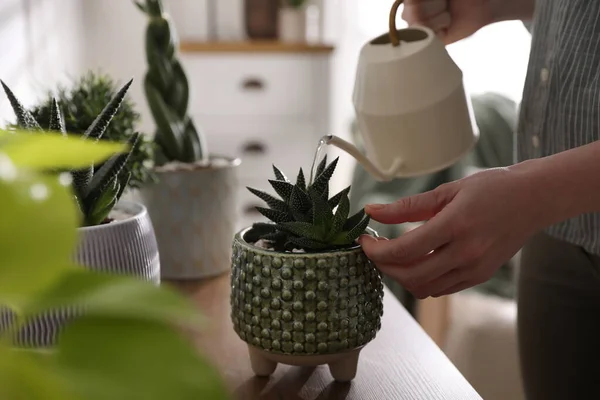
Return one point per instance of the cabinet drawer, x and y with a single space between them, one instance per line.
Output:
257 85
288 143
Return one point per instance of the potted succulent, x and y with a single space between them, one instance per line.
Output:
302 290
113 238
292 21
193 205
82 101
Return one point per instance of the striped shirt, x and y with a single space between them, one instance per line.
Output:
560 109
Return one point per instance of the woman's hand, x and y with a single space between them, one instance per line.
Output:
474 225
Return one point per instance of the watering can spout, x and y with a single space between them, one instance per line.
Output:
368 165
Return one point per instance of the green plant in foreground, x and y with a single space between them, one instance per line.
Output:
96 190
82 101
126 346
167 91
305 217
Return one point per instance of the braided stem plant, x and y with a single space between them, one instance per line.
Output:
167 91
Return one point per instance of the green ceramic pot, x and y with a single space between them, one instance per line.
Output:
304 309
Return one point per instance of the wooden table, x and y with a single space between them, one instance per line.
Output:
402 362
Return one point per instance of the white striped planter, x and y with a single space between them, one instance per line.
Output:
126 247
194 211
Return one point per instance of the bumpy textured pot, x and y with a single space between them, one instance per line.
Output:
304 309
194 212
126 246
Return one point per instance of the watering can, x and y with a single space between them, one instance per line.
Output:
412 110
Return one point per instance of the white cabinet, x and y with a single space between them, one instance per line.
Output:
266 106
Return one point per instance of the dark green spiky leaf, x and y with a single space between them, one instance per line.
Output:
283 189
301 181
303 229
271 201
322 165
274 215
299 204
280 176
259 229
275 236
307 244
57 122
124 178
322 214
354 220
98 127
81 180
24 117
110 170
340 217
335 200
358 229
321 183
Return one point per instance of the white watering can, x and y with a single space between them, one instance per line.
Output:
411 107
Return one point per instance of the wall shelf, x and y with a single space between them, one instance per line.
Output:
253 46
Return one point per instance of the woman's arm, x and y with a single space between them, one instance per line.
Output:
565 184
508 10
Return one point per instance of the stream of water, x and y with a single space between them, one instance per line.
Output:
316 159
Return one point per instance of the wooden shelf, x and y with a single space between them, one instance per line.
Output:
253 46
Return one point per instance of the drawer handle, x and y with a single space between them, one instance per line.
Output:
250 209
253 84
254 147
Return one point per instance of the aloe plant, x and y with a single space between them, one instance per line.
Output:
304 217
167 91
96 190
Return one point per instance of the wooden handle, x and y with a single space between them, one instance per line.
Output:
253 84
393 30
254 147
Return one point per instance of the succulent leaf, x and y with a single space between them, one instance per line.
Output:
303 229
283 189
274 215
57 122
358 229
322 165
24 118
321 183
304 243
271 201
335 200
322 214
98 127
299 203
341 214
280 176
354 220
301 181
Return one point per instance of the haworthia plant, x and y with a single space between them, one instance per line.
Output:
96 190
304 217
167 91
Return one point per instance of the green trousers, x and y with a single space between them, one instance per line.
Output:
558 321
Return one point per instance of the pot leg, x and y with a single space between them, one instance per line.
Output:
261 365
344 370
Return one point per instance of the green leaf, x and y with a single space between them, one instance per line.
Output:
301 181
335 200
299 204
322 213
321 183
141 6
302 229
340 217
274 215
283 189
280 176
354 220
321 166
106 295
31 375
52 150
271 201
98 127
359 229
129 359
38 210
24 117
57 124
170 130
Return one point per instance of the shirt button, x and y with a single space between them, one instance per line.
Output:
544 73
535 140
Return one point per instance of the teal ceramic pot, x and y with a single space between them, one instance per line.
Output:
305 308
